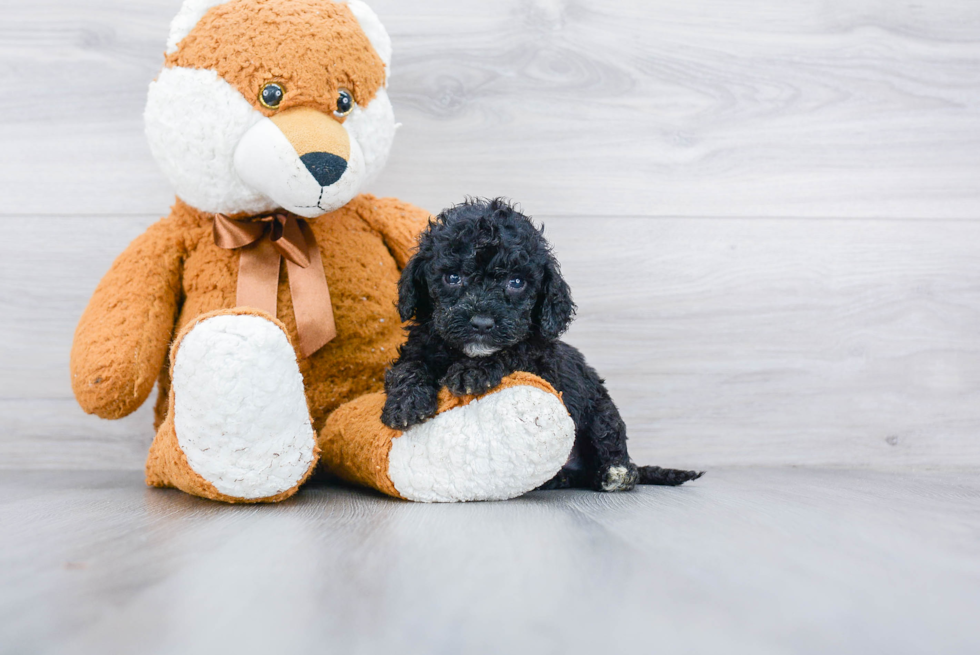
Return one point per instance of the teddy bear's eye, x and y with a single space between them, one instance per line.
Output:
453 280
345 103
271 95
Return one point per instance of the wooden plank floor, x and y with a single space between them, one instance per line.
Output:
755 561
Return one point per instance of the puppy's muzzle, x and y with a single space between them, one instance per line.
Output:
482 324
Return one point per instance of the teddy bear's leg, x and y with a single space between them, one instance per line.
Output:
238 428
491 447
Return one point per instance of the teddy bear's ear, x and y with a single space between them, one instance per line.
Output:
190 13
413 291
193 11
373 29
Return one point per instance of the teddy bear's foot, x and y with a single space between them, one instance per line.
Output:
239 419
493 447
497 447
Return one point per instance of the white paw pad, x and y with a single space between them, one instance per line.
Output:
495 448
616 478
240 408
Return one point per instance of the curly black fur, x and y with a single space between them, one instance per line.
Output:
485 297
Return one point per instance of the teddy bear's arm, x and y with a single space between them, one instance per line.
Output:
399 224
122 339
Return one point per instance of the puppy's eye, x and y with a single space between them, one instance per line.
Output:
516 284
271 95
453 280
345 103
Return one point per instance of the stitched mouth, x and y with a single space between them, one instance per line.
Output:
318 201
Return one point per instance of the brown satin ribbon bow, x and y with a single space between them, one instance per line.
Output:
262 241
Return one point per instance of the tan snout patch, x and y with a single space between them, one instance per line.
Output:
309 130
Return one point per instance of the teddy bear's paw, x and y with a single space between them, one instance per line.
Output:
494 448
240 411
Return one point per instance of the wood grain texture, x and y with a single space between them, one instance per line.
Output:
760 561
628 107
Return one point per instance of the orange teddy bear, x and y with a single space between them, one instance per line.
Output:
272 283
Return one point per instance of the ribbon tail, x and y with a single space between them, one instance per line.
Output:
311 298
258 277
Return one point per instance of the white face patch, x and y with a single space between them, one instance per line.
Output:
479 350
373 129
194 122
498 447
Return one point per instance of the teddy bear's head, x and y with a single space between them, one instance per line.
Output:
267 104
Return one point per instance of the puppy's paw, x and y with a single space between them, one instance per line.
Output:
618 477
403 410
472 377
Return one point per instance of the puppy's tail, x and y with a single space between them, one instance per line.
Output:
666 477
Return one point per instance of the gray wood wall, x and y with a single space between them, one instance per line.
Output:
769 212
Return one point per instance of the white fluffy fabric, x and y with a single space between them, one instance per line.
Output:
240 408
495 448
372 128
194 122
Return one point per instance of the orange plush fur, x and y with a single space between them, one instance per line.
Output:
173 275
312 48
175 264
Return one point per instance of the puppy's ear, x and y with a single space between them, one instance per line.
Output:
413 291
555 302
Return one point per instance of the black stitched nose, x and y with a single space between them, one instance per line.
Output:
326 168
482 323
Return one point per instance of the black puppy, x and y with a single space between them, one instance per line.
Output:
485 299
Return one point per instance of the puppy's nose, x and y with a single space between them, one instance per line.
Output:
482 323
325 167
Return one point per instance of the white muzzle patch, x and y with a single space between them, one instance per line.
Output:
478 350
268 163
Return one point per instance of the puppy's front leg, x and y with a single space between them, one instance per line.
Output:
411 395
607 434
474 375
